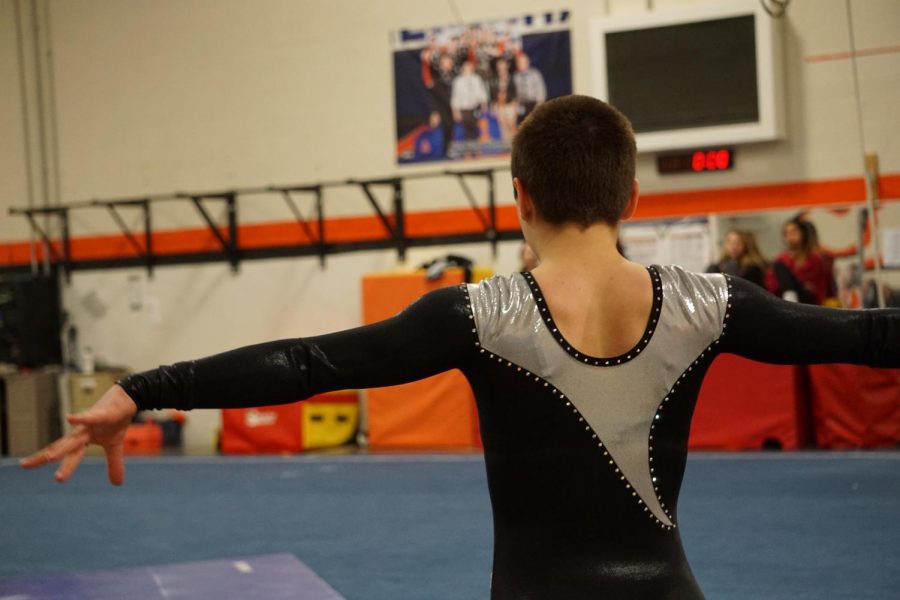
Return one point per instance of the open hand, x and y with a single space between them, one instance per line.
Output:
103 424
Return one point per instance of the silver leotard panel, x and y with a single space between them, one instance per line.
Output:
619 401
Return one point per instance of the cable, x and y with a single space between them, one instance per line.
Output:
859 115
23 90
870 200
455 10
775 8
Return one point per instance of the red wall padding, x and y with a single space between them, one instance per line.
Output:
743 404
855 406
264 430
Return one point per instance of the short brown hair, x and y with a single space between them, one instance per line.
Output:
575 155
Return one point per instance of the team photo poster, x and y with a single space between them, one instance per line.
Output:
462 90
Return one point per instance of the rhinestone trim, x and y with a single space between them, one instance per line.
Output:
557 394
468 299
706 354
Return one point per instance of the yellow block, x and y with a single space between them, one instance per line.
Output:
480 272
329 424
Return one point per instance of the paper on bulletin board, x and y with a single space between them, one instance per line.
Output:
683 244
891 247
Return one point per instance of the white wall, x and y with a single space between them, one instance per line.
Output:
165 95
13 178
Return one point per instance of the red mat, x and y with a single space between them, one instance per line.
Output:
855 406
746 405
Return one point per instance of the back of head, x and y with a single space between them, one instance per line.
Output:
575 156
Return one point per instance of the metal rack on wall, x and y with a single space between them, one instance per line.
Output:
58 253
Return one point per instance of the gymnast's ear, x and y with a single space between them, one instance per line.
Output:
524 203
631 206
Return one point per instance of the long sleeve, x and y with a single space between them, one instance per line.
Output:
763 327
754 274
432 335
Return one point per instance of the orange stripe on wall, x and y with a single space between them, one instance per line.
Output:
889 187
847 54
464 221
750 198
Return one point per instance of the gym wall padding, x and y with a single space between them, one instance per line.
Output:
263 430
855 407
744 405
437 412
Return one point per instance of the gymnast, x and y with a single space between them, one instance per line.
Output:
585 371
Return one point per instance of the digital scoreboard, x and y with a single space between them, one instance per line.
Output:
701 75
695 161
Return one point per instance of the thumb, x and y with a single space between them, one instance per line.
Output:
89 417
115 464
84 418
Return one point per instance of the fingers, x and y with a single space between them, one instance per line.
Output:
57 450
90 417
38 459
69 464
115 464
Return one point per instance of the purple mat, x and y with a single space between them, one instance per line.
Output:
267 577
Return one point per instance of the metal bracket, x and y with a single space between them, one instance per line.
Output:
317 238
145 251
62 213
313 240
229 244
489 223
397 229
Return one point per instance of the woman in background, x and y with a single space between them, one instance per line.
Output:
800 273
827 257
741 258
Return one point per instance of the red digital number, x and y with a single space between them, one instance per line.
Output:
718 159
723 159
698 161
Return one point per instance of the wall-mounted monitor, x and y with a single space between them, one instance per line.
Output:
705 75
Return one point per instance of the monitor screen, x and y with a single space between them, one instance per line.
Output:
686 75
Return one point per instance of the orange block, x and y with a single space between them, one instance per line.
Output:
143 438
438 412
434 412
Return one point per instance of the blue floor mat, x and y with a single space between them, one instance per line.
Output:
272 577
817 525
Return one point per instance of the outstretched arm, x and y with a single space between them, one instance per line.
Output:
432 335
768 329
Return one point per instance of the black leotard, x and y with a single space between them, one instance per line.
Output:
584 454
